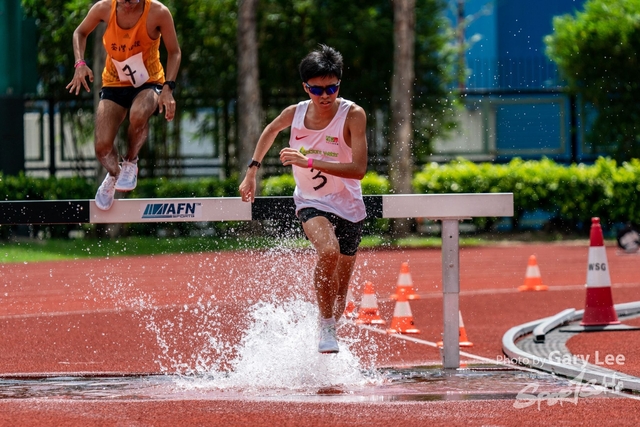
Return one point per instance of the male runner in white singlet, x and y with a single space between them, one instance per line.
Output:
328 153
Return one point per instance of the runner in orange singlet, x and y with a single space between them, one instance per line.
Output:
133 81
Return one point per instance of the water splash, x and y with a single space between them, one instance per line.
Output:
280 351
271 346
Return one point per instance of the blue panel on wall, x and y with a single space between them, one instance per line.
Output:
521 49
481 30
507 49
522 28
483 44
532 127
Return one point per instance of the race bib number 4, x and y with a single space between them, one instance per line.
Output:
132 70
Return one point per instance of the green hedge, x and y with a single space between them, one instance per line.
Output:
284 185
572 194
22 187
201 187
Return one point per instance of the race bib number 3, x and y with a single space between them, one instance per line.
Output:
315 184
132 70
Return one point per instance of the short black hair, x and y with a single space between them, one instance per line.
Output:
322 62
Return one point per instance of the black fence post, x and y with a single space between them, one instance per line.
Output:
11 134
52 137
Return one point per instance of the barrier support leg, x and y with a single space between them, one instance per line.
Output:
451 289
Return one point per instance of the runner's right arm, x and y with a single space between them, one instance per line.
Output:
269 134
99 12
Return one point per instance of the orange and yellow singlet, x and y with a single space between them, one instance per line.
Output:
133 58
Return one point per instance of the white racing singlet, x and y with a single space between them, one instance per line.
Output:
315 189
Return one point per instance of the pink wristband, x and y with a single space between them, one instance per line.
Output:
79 63
309 162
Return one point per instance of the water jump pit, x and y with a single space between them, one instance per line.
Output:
418 383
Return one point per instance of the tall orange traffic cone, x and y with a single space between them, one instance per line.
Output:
463 341
350 307
598 309
402 322
368 313
405 284
532 278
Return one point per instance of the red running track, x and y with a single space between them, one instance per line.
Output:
93 316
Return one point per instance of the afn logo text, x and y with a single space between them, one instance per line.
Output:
172 210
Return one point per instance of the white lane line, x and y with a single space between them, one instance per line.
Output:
89 312
435 345
556 288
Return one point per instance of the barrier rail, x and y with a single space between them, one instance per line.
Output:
450 209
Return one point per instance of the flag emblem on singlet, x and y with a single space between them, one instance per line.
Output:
331 140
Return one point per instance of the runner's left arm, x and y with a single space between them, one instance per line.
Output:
166 103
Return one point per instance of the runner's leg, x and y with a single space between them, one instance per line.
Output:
322 236
109 117
343 277
144 105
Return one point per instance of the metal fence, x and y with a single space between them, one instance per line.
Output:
201 142
59 142
492 126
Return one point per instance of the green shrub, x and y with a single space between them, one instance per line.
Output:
173 188
372 183
282 185
571 194
22 187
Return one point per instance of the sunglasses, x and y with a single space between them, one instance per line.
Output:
128 1
319 90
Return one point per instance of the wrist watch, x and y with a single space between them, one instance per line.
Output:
253 163
170 83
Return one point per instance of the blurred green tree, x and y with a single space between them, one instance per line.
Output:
287 30
597 53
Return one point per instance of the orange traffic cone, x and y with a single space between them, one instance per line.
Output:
598 309
532 279
368 312
402 322
463 341
405 284
350 307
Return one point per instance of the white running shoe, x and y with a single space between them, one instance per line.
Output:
106 191
328 341
128 177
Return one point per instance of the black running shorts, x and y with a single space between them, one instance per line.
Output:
348 233
124 96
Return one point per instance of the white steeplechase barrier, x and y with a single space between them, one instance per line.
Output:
450 209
